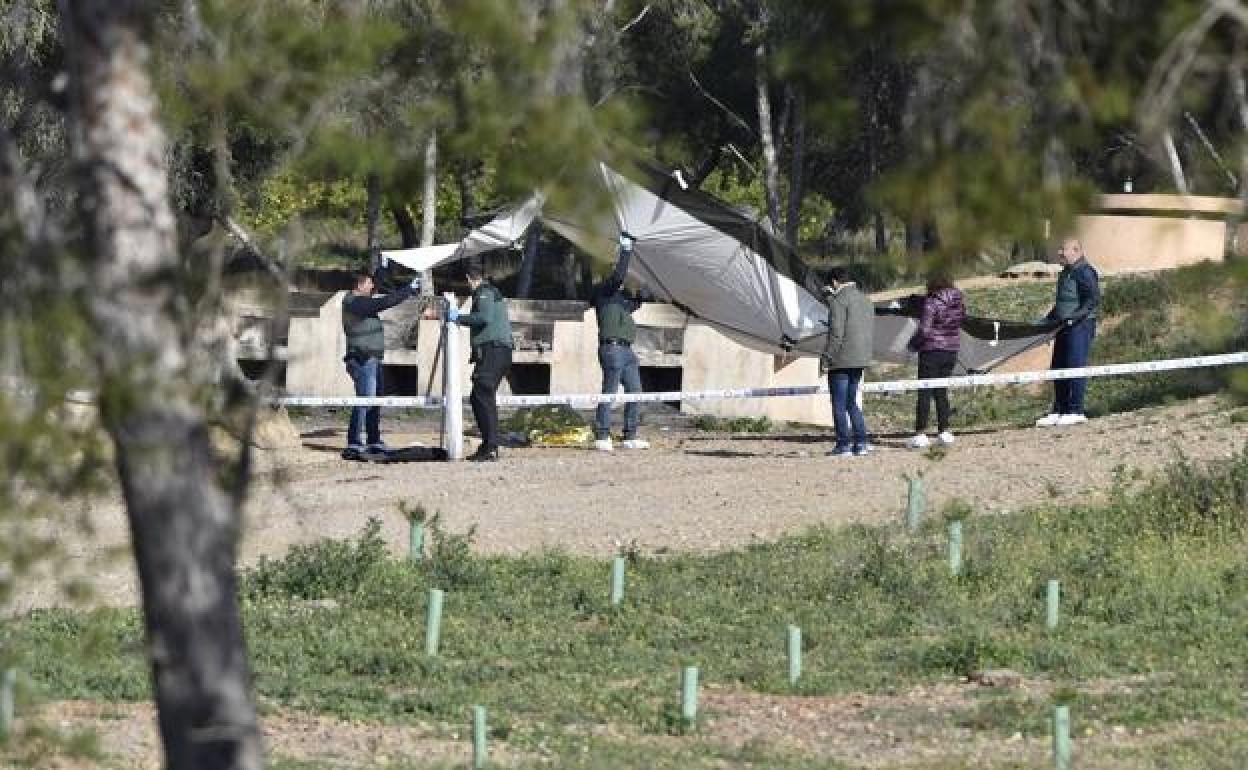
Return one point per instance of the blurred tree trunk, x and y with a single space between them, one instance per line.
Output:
524 283
372 214
184 525
797 118
429 205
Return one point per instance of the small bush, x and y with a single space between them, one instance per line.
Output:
320 570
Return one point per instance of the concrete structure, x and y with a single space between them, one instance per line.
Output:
556 352
1131 233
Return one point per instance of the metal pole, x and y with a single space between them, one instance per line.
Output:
452 391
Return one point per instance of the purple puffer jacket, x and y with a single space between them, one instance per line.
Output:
940 324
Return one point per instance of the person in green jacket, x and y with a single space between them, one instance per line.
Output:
851 319
614 308
490 339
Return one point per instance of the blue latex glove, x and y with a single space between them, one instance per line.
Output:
415 283
452 313
626 242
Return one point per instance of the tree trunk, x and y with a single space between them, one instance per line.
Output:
183 524
793 219
406 226
771 169
881 234
372 215
429 206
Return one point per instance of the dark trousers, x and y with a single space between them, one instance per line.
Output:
846 416
366 375
934 364
619 365
493 363
1070 351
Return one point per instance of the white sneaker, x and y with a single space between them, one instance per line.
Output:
918 441
1049 420
945 438
635 443
1071 419
603 445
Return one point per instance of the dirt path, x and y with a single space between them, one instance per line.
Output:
692 491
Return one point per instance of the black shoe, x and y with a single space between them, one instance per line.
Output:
484 455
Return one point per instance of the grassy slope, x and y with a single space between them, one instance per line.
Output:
1154 584
1187 312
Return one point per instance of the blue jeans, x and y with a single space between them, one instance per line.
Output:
845 412
619 365
366 374
1070 351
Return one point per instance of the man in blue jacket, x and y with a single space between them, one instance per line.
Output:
1078 297
366 347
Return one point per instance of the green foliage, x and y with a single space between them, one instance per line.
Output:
545 419
732 424
320 570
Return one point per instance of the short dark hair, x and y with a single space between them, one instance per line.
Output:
361 275
474 271
939 279
840 274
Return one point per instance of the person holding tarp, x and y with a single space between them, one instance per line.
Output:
614 308
846 353
490 339
366 347
936 341
1078 298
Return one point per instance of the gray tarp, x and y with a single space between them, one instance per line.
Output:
722 267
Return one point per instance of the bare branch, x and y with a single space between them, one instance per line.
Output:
735 117
636 20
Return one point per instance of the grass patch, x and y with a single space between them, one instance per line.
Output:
711 423
1153 584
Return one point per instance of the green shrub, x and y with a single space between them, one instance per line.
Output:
321 570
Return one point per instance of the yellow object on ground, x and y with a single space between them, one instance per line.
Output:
567 437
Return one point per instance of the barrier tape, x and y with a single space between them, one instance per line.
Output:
889 386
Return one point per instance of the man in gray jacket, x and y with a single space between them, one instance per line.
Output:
851 319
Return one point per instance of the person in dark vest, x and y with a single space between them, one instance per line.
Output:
366 347
847 352
1078 298
614 308
937 341
490 339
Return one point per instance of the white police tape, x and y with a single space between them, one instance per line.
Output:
888 386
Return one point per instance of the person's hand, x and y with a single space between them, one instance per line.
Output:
452 313
385 262
415 283
626 242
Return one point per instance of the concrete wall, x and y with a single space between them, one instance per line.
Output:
714 361
1131 233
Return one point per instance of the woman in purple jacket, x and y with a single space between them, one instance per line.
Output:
937 340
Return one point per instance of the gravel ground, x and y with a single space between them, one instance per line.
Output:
693 491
